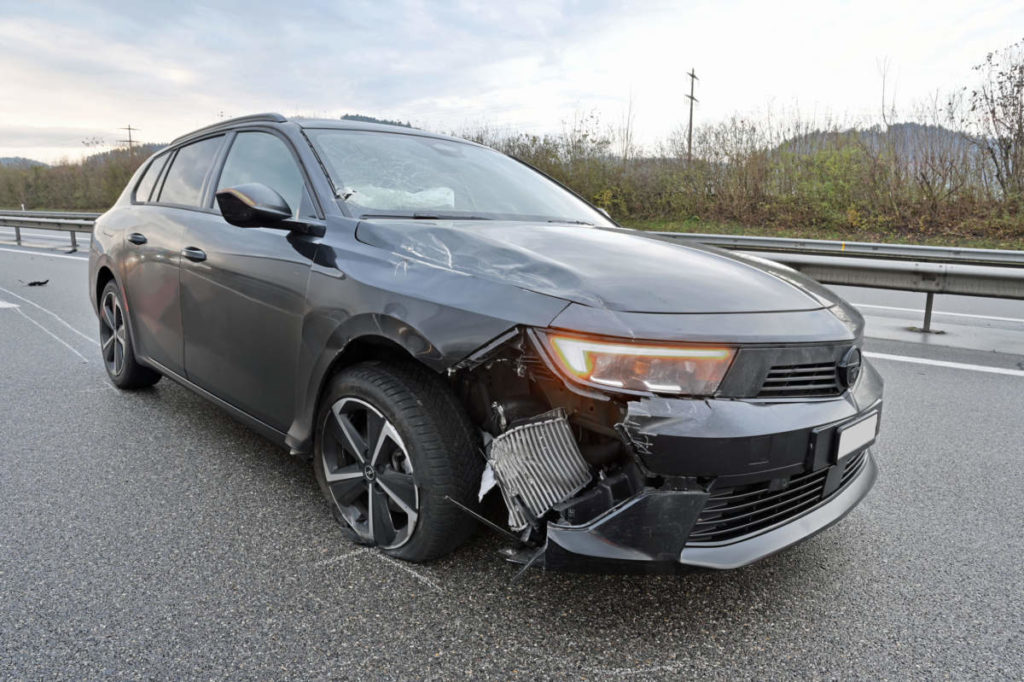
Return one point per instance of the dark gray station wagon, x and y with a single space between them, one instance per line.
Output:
453 339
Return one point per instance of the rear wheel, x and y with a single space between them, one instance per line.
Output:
116 344
392 443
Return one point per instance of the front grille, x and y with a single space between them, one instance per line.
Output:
853 467
733 512
801 381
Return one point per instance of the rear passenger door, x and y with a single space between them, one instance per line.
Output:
243 290
169 195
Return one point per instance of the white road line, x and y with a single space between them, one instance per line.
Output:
943 363
920 311
59 340
5 304
625 672
411 571
48 255
340 557
53 314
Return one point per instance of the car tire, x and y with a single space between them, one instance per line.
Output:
116 346
393 438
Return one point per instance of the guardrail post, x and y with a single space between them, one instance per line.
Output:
74 243
930 298
17 236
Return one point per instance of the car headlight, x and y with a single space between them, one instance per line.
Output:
650 368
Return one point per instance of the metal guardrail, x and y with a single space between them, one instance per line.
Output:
906 252
928 269
932 270
64 221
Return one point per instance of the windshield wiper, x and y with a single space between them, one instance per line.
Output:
424 216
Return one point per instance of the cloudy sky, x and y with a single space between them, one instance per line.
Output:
71 71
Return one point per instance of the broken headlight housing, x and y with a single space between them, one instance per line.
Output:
630 366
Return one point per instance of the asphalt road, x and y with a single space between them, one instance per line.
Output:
147 535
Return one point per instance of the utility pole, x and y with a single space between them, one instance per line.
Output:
129 140
689 125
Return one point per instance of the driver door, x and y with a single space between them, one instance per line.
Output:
243 290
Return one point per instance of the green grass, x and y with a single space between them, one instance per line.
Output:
709 227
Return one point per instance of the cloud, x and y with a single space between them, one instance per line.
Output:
30 136
168 67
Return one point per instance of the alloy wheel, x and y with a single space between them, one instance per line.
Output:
113 334
369 473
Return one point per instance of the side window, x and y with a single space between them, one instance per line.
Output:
184 182
148 181
264 158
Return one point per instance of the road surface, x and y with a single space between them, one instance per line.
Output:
148 535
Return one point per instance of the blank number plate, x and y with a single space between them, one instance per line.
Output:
855 436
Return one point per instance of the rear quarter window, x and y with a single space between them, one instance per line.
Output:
184 182
145 187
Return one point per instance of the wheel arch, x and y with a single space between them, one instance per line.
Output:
361 338
104 274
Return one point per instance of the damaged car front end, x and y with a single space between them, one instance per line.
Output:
615 454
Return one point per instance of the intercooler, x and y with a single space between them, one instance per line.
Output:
538 464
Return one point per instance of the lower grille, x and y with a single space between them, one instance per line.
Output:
801 381
733 512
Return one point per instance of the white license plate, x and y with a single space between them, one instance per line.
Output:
855 436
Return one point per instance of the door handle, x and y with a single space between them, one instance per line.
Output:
136 238
193 254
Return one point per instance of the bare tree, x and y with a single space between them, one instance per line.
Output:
997 116
624 133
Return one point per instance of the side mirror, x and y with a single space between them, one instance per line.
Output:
253 205
604 212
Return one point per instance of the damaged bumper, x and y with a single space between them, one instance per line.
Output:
722 483
653 527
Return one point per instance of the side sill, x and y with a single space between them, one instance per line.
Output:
252 422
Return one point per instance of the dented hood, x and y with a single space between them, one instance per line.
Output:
607 268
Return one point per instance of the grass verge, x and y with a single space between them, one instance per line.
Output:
804 232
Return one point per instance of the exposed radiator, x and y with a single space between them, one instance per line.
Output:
539 463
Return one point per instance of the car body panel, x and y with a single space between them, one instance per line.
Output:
242 310
150 275
574 261
437 315
742 440
803 326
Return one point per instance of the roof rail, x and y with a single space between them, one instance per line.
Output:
251 118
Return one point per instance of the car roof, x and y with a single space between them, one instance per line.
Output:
332 123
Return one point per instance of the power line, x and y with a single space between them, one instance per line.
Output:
129 141
689 125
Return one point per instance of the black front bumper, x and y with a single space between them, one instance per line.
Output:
733 482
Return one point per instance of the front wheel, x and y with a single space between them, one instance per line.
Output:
116 344
392 443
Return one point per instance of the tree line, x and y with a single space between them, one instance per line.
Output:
952 168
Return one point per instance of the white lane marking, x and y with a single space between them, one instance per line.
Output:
625 672
48 255
105 387
53 314
59 340
920 311
5 304
943 363
411 571
340 557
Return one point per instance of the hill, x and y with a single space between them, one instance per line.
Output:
19 162
372 119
